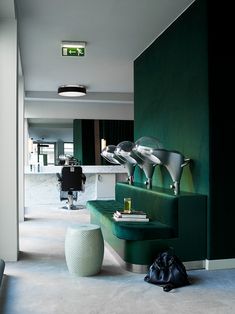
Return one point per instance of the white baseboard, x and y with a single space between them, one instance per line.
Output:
220 264
194 265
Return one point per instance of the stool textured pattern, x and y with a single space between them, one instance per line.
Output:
84 249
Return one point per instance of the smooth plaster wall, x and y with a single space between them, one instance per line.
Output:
8 137
78 110
21 148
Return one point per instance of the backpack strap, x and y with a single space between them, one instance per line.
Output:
168 287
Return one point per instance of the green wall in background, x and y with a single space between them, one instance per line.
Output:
88 142
77 139
116 131
171 97
83 138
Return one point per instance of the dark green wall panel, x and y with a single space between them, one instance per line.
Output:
175 102
77 139
83 137
171 97
116 131
88 142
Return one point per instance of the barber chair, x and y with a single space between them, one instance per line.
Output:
71 181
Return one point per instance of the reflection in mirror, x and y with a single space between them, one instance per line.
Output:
50 138
89 135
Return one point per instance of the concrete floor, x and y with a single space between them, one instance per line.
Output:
40 282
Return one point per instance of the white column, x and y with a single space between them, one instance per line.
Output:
21 147
8 140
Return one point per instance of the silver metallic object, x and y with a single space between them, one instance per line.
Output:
108 154
141 152
123 151
147 153
173 161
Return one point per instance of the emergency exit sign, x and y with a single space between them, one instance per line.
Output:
73 49
73 52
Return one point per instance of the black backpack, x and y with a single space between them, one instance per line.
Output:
168 272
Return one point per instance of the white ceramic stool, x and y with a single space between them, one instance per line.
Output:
84 249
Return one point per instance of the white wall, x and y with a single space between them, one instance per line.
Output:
78 110
8 138
26 137
21 143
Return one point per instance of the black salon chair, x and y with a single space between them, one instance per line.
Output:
72 180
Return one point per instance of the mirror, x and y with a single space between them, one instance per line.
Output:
80 138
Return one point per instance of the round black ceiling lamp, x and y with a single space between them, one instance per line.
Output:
72 90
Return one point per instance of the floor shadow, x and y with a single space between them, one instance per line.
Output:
111 270
37 219
194 279
32 256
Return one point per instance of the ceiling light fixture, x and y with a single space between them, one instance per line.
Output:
72 90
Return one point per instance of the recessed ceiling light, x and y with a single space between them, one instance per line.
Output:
72 90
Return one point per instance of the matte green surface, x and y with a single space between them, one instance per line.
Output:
185 229
171 97
129 230
174 107
159 204
88 142
83 137
77 139
187 93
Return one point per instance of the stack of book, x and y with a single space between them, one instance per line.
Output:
134 215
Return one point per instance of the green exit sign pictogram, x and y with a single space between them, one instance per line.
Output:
73 52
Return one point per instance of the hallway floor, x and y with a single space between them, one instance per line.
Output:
39 283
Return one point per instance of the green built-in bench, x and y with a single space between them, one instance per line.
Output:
178 222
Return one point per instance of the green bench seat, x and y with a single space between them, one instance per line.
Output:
133 231
178 222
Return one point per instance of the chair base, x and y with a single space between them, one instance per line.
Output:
70 205
73 207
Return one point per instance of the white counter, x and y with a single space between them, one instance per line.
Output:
41 188
85 169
